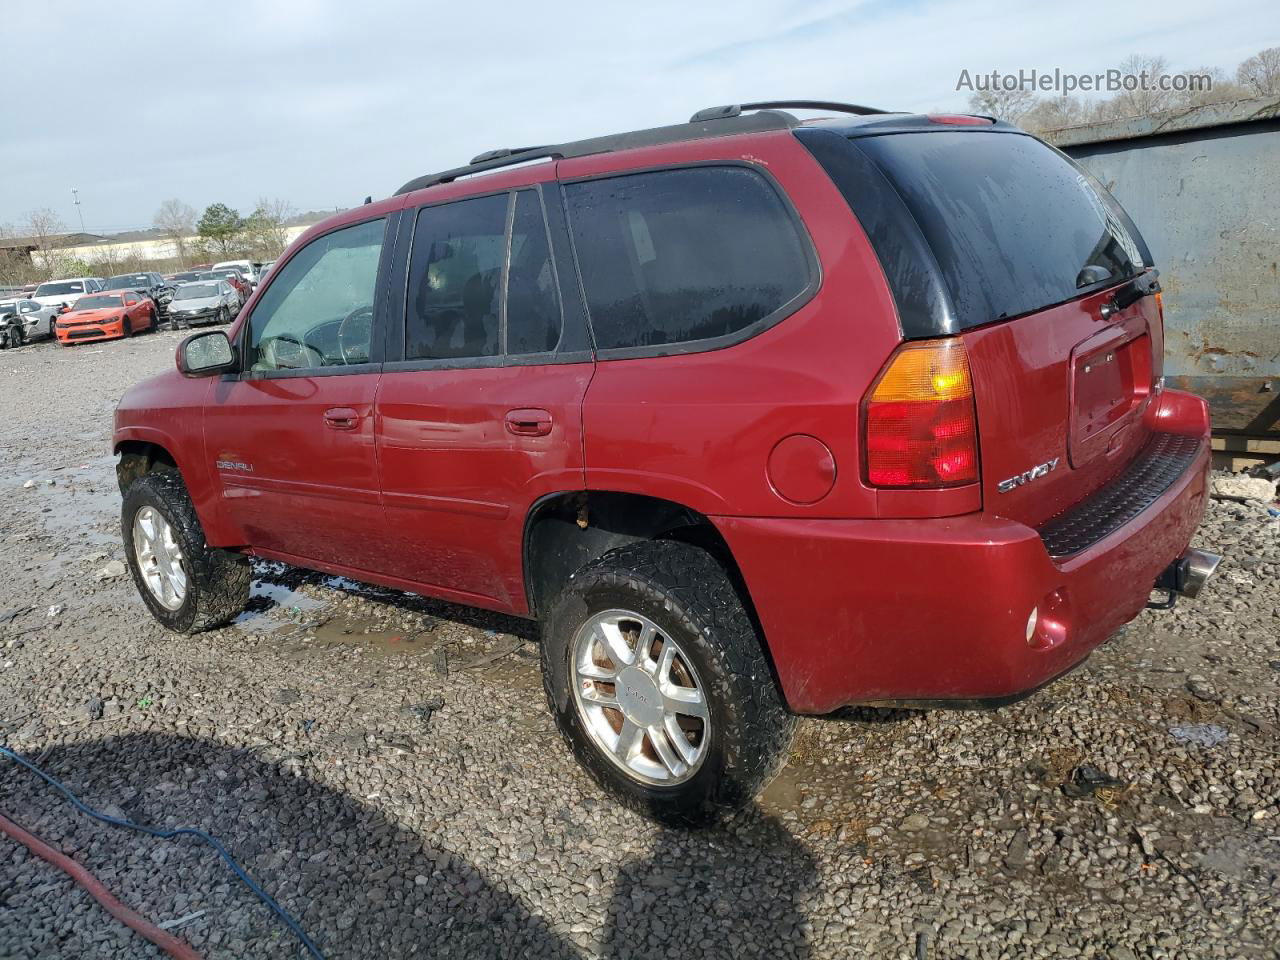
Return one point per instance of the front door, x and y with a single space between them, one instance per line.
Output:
480 405
291 439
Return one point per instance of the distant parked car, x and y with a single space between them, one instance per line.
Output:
208 301
264 270
249 269
37 319
150 283
64 293
107 316
186 276
233 277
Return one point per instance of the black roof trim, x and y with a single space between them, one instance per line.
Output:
500 153
735 109
655 136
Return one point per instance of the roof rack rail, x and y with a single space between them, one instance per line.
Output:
501 152
675 133
735 109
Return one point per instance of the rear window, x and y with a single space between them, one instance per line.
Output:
59 288
694 255
1014 225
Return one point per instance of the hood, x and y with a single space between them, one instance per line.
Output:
100 315
56 299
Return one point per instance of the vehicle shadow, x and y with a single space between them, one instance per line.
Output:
735 890
360 883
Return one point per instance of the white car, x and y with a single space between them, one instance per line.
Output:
58 293
37 318
248 269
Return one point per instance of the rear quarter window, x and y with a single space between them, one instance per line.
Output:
694 257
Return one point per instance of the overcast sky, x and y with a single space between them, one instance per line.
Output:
320 102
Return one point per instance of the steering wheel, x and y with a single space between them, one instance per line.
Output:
268 347
355 333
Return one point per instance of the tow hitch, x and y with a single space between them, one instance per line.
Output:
1186 576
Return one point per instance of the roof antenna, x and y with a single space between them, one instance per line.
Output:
368 199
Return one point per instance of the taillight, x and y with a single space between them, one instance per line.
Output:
920 426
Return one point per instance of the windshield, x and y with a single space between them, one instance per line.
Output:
59 288
196 291
1014 225
99 301
133 281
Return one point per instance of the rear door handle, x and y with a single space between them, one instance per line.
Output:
341 418
529 422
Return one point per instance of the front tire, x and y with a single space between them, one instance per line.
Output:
658 681
187 585
126 328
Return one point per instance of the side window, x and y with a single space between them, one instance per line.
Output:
675 256
533 304
455 274
319 311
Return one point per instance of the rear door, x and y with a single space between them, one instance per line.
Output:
291 440
480 411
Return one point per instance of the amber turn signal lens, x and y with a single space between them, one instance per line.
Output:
920 428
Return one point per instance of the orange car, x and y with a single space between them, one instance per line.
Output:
105 316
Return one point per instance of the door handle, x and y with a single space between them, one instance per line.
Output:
341 418
529 422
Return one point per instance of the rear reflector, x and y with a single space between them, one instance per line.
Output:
920 427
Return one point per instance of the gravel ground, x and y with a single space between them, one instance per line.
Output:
385 766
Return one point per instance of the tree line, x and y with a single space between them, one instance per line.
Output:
1255 76
220 233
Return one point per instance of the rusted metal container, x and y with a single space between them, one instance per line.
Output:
1203 185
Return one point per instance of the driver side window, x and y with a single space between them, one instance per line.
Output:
318 311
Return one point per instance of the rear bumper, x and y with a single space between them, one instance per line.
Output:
858 611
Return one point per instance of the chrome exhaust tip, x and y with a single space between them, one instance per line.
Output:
1187 575
1194 569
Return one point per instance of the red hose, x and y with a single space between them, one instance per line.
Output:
165 941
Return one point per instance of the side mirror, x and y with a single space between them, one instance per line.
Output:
206 354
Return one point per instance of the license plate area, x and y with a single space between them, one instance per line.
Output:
1110 384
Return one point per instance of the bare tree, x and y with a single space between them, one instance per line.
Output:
1260 74
177 221
1002 104
1218 88
265 229
1146 97
45 228
1054 113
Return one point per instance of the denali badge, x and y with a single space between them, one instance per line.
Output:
233 465
1039 470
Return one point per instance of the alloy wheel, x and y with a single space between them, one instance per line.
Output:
160 559
639 698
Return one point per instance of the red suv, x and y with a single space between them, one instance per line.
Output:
758 417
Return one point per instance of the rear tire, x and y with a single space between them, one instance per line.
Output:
681 592
216 581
